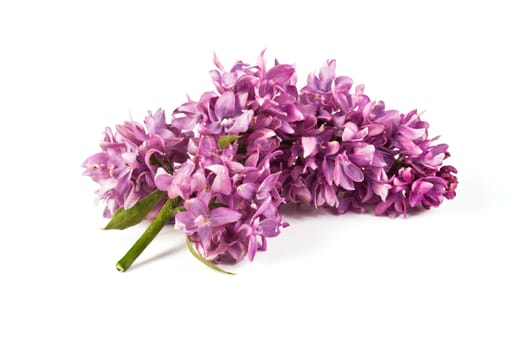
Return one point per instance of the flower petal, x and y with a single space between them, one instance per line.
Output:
198 181
162 179
280 73
327 75
363 154
309 144
419 189
180 186
343 83
381 189
246 190
269 227
132 198
185 221
207 144
222 182
328 170
264 206
222 216
330 196
350 130
267 185
205 234
241 123
342 180
411 133
293 113
225 105
251 249
217 62
197 206
409 146
353 172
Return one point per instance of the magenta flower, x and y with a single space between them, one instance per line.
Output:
228 115
179 184
199 218
396 200
427 191
257 231
447 173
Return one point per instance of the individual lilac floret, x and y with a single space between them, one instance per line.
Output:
199 218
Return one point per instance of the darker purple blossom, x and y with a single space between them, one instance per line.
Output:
427 191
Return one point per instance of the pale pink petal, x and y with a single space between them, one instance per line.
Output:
309 144
222 182
327 75
217 62
162 179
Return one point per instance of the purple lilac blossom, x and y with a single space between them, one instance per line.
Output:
231 200
130 157
323 145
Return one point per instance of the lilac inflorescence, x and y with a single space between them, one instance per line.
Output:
238 153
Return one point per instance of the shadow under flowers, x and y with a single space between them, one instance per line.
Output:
162 255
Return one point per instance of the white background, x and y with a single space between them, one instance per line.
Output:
449 278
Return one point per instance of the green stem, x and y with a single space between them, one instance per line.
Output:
166 213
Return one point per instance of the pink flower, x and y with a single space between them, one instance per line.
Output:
199 218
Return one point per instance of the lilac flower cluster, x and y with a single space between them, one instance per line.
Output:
350 153
257 142
230 198
130 157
